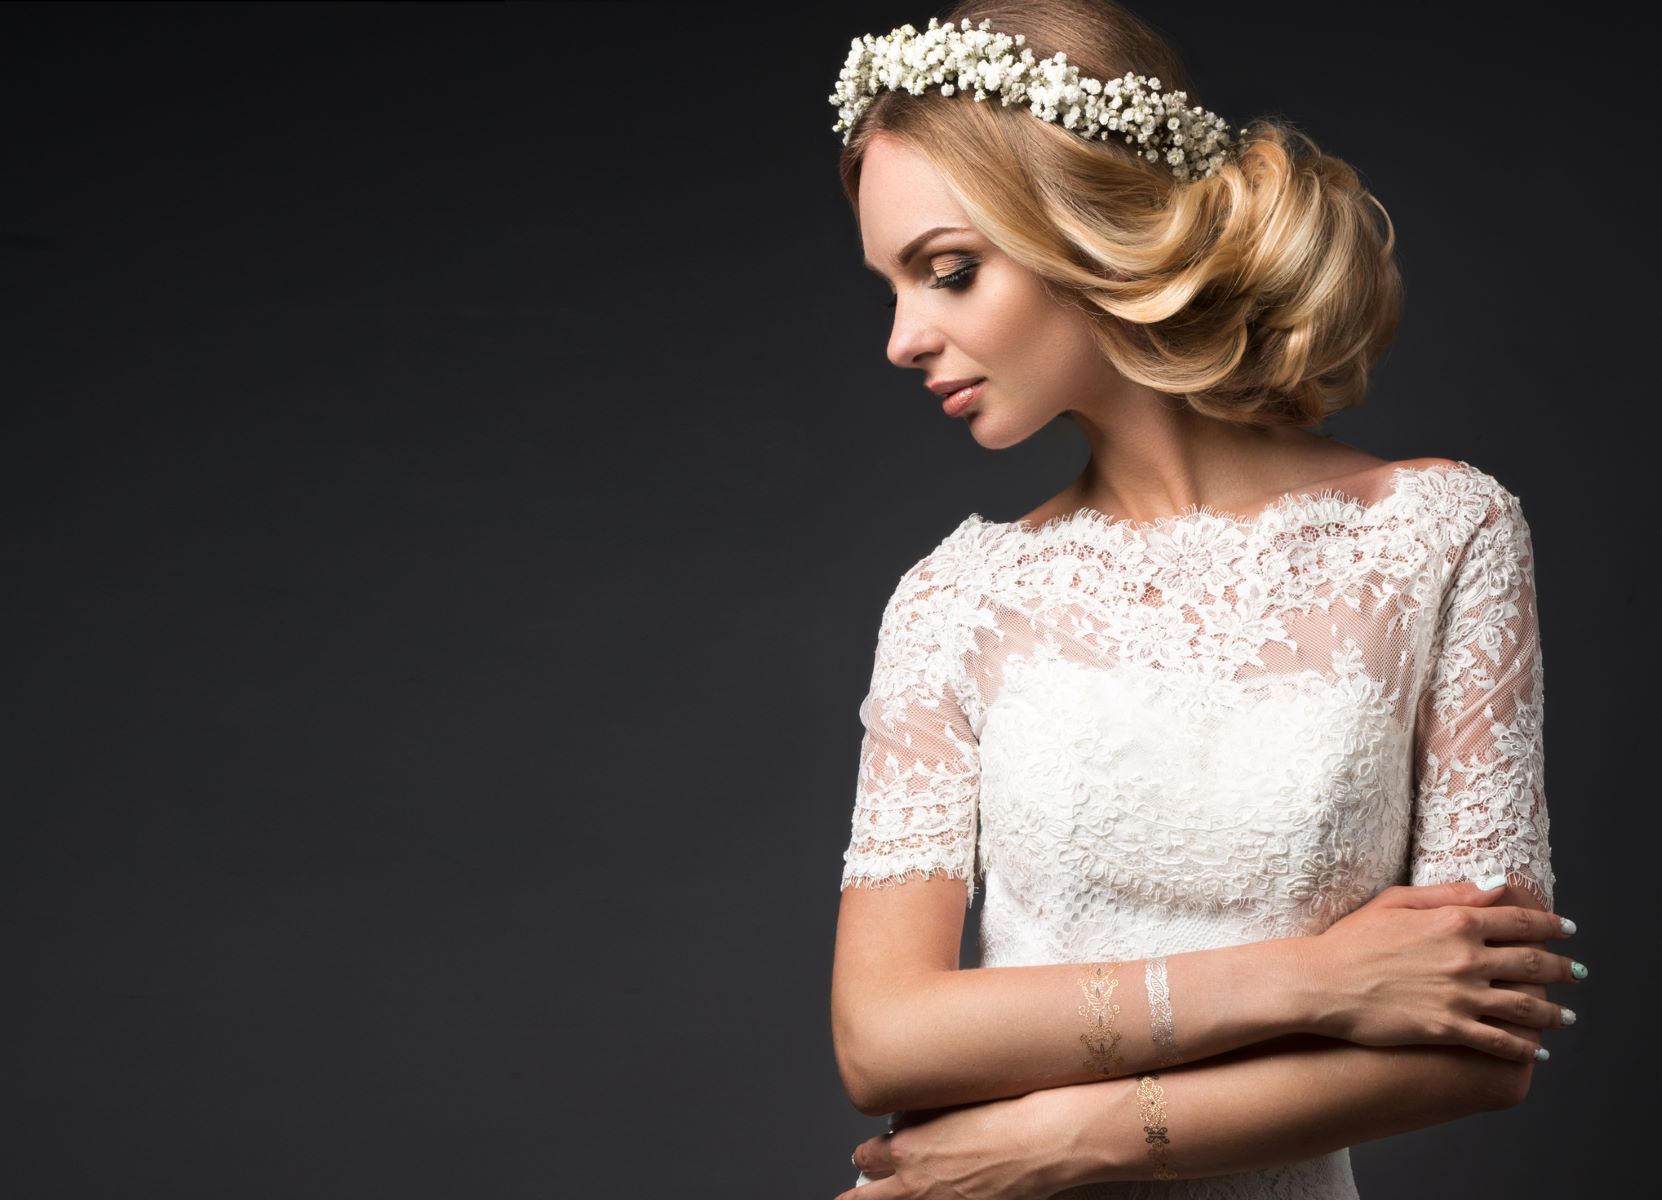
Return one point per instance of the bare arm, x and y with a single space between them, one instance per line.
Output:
912 1030
1263 1106
1268 1105
1260 1107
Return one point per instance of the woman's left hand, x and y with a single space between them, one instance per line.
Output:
995 1150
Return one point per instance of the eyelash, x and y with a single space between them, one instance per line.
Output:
954 281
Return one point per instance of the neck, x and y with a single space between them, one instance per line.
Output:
1155 457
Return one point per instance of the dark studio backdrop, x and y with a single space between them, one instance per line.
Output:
453 481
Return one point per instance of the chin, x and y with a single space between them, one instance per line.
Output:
992 433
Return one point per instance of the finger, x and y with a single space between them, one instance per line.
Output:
873 1156
1496 1040
875 1186
886 1188
1514 923
1520 1009
1522 1033
1530 964
1435 895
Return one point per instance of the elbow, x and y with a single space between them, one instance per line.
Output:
865 1061
860 1065
1501 1084
1516 1088
1473 1081
870 1103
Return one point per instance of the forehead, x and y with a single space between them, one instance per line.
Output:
901 195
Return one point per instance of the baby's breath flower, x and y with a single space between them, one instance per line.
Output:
1193 141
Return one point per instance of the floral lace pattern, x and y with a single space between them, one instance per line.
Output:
1149 738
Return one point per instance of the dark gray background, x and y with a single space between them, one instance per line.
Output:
453 480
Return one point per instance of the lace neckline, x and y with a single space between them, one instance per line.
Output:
1287 502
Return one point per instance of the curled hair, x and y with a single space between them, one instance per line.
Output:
1263 294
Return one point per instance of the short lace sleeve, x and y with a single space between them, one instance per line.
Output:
918 788
1480 803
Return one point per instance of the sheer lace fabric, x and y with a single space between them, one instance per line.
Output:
1149 738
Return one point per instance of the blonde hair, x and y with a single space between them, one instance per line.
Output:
1263 294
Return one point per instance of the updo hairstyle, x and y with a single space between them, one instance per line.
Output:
1262 294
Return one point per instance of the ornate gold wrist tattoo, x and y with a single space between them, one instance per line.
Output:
1101 1013
1151 1100
1159 1012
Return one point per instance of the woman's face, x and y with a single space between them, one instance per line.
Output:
965 311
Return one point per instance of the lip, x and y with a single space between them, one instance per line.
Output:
946 387
957 403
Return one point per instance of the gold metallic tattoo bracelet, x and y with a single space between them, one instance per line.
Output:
1100 1013
1159 1012
1151 1100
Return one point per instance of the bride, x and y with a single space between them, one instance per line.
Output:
1240 732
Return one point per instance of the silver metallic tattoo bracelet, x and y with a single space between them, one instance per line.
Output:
1159 1011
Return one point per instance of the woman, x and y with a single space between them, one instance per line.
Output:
1241 731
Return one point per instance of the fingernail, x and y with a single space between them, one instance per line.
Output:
1485 882
1542 1054
1568 925
1568 1015
1577 970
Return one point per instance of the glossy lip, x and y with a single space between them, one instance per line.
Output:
953 407
947 387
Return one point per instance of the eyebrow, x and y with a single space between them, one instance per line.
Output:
912 247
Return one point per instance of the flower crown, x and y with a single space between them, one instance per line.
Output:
1193 141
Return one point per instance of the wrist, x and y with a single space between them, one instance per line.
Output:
1309 994
1078 1126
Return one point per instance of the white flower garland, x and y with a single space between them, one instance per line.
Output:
1193 141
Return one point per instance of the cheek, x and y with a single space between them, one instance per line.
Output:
1035 339
1079 363
1015 326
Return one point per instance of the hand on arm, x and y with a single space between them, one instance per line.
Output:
912 1030
1278 1102
1527 898
1413 966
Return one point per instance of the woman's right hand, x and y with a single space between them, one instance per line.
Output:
1413 966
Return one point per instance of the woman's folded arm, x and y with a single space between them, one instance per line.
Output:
912 1030
1265 1105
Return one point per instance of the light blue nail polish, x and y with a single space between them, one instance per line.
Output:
1568 1015
1568 925
1578 971
1485 882
1542 1054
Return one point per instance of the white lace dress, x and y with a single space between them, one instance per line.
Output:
1151 738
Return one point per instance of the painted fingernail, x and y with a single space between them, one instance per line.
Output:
1485 882
1577 970
1542 1054
1567 1015
1567 924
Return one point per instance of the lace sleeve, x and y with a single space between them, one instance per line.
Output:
918 788
1480 804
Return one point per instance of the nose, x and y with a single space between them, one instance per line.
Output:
912 336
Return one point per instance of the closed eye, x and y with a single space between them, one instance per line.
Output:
956 280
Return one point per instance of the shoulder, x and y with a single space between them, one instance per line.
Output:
917 640
1476 518
926 588
935 606
1457 494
